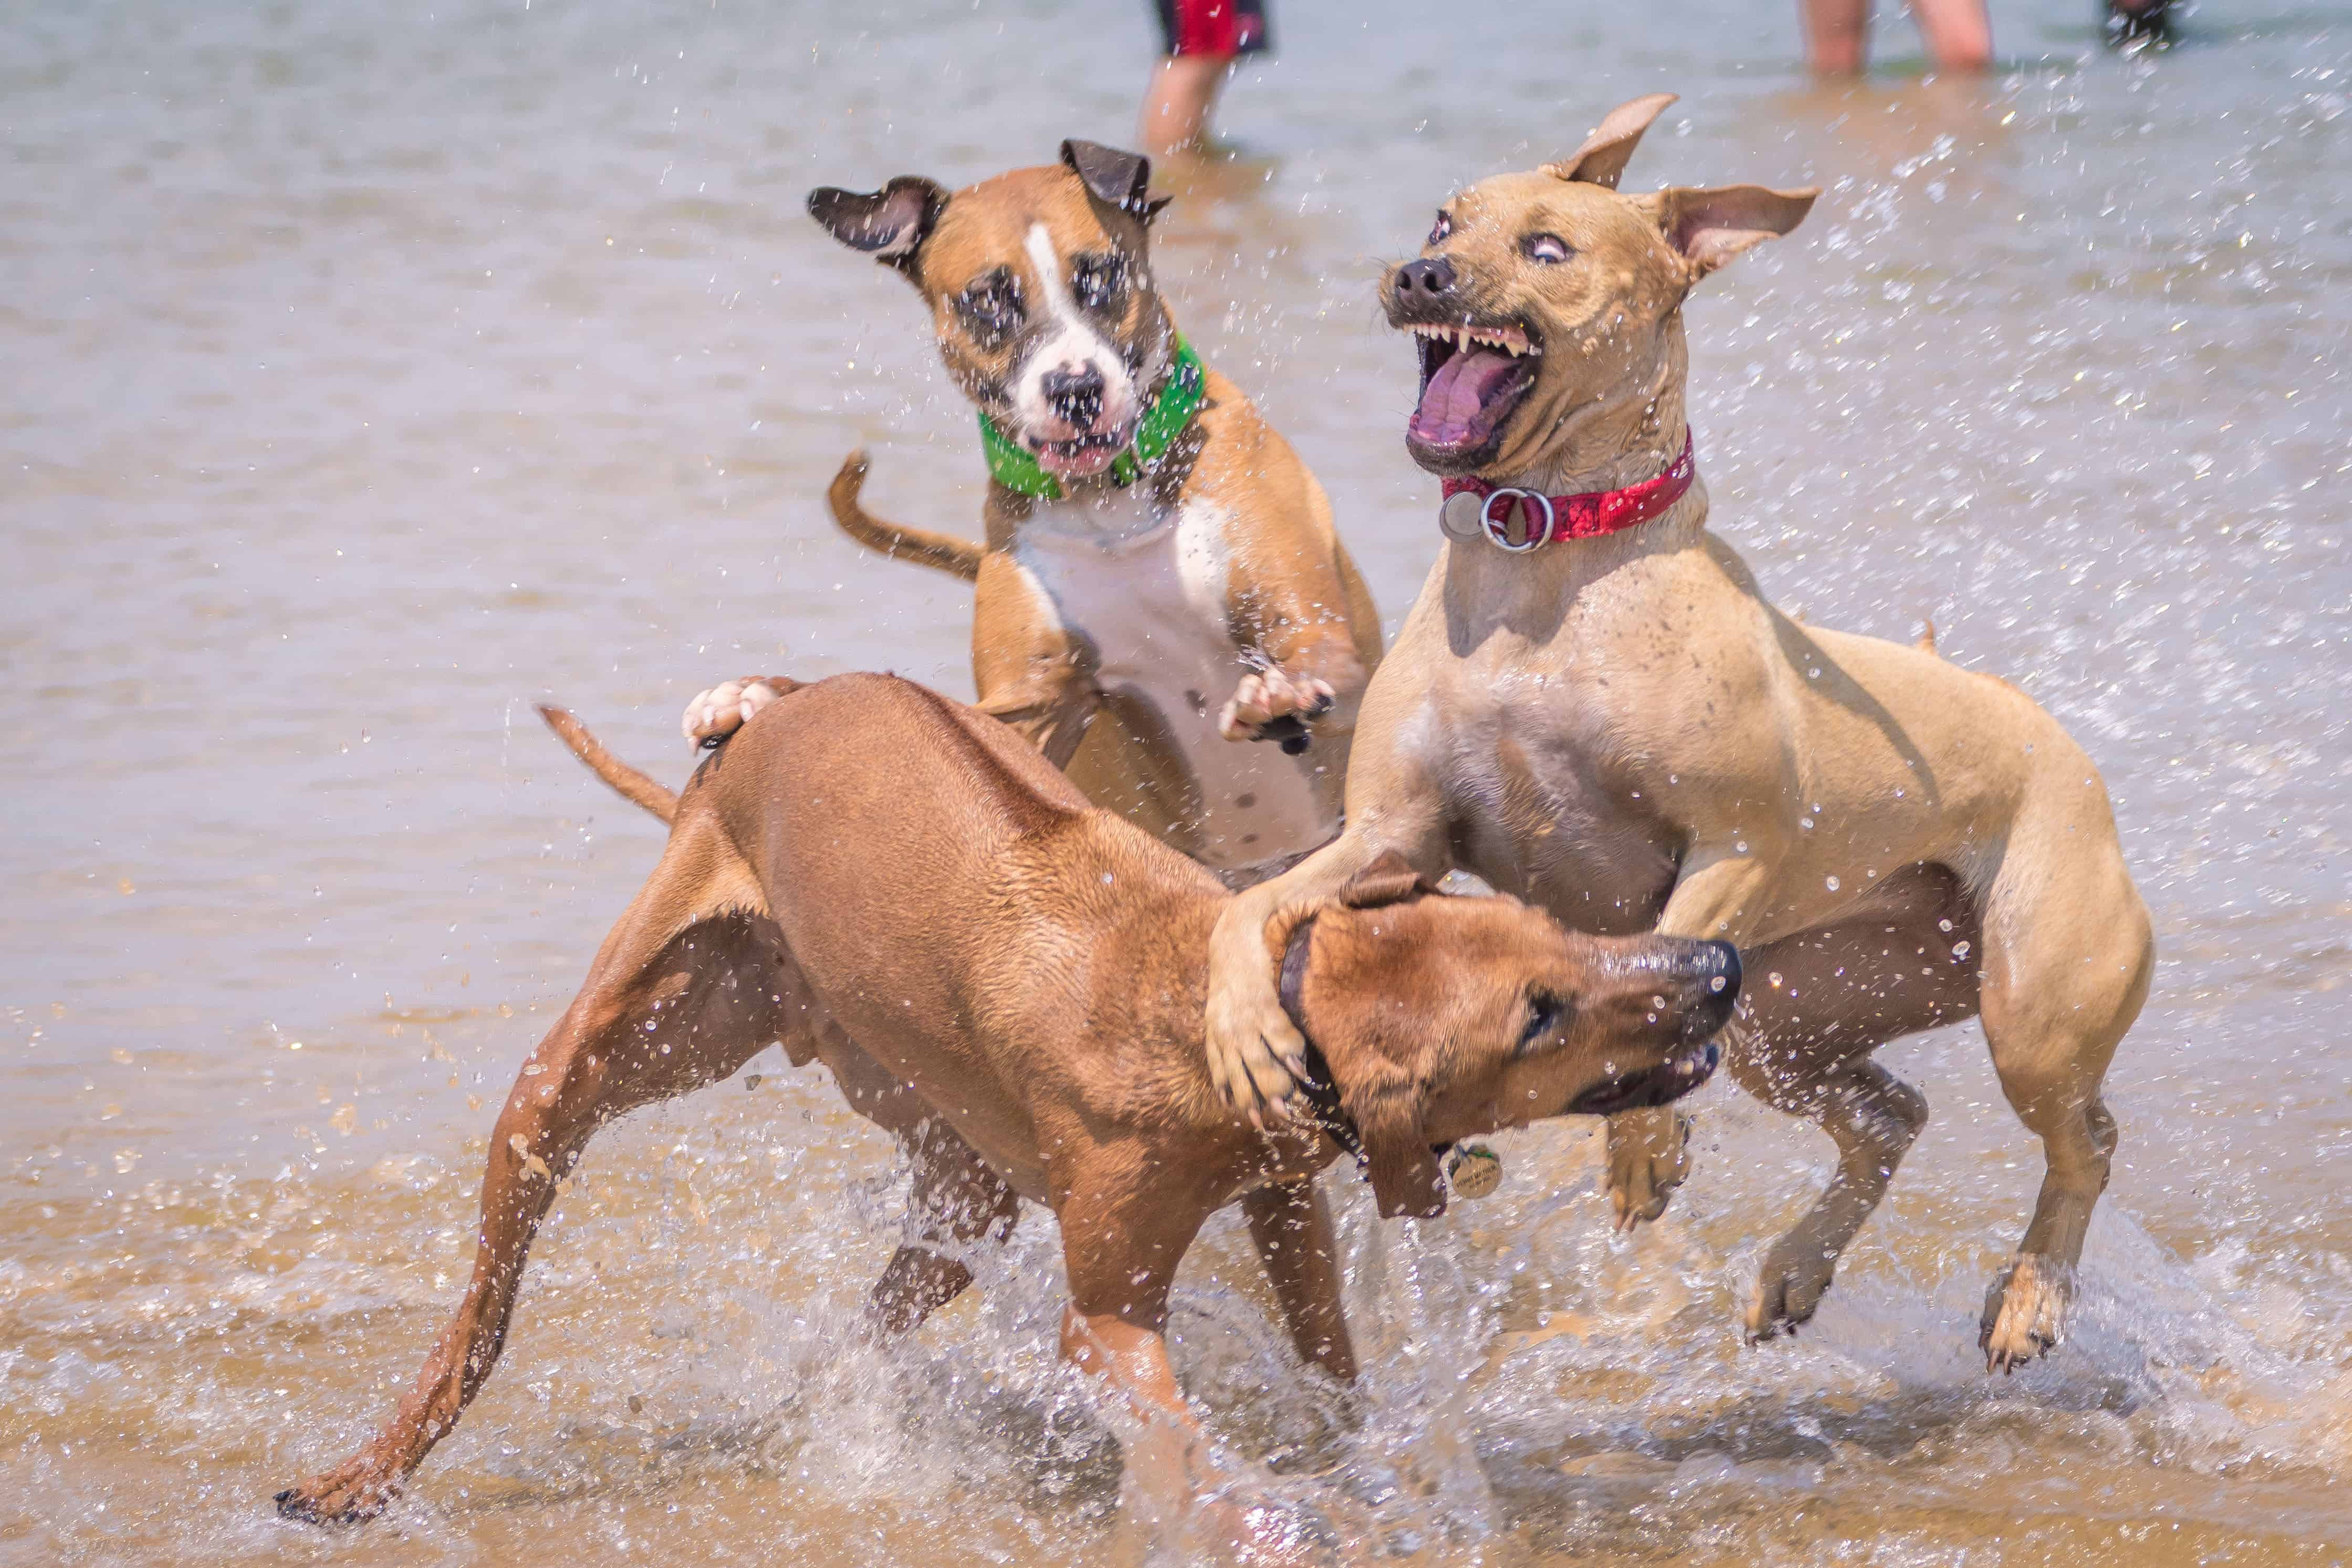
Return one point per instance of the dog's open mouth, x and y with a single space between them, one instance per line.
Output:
1668 1081
1472 375
1085 455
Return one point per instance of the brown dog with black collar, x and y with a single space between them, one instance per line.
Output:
1160 578
1011 981
1593 706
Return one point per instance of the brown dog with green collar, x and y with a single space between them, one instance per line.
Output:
1011 981
1592 706
1161 583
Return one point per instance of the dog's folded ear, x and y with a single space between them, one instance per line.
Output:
1407 1181
1711 227
889 224
1389 880
1122 180
1601 160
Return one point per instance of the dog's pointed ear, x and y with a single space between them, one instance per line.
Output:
1711 227
889 224
1601 160
1118 179
1389 880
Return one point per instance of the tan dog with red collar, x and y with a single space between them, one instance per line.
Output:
1160 578
1592 706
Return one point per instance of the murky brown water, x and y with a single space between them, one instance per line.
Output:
372 372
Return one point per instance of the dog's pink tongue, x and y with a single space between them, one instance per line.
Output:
1448 415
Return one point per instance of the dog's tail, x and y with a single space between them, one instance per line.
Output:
634 786
943 551
1926 643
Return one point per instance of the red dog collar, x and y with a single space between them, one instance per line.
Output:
1470 510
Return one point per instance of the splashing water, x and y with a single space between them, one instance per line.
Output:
369 376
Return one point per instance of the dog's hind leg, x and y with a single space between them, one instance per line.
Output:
956 1198
1816 1005
2069 955
685 990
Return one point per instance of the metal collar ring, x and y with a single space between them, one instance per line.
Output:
1499 533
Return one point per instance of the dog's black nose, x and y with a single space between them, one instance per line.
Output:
1430 277
1076 395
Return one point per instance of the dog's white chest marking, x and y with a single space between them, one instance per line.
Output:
1149 592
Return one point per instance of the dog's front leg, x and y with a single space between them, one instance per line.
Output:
1255 1050
1032 671
1120 1248
1314 671
1122 1244
1291 1224
1719 897
713 715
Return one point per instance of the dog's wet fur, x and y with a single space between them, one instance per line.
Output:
1011 981
1624 731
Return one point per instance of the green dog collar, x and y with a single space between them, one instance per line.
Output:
1018 470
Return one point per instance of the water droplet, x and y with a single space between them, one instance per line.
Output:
1833 884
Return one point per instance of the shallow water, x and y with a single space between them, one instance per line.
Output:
370 378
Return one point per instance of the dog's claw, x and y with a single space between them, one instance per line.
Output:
1796 1274
1267 705
2025 1312
1649 1156
345 1495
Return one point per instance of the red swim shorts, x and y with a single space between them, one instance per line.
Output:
1222 28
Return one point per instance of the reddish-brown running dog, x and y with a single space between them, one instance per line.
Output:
1011 981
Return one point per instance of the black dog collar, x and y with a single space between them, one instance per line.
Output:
1316 1086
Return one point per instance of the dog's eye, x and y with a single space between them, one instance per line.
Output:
1441 231
1096 280
991 307
1545 1013
1545 249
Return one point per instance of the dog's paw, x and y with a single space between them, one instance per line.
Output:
1649 1155
356 1489
717 713
1268 705
2025 1311
1255 1050
1789 1287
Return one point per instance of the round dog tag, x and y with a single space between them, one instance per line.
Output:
1459 516
1474 1171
